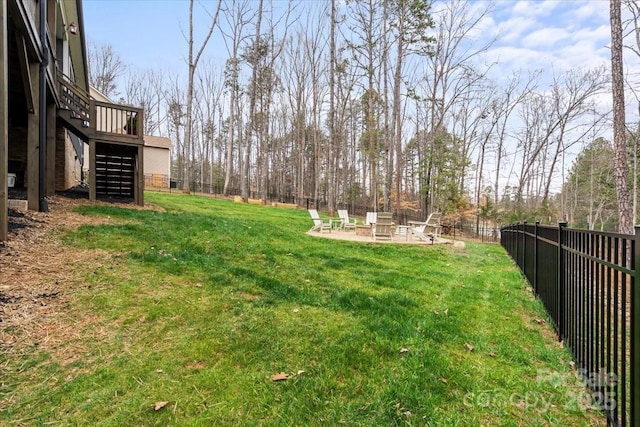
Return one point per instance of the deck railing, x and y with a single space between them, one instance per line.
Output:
101 119
116 119
587 282
75 99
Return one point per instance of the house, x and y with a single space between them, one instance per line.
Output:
157 162
47 113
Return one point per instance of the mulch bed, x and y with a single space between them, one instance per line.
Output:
39 277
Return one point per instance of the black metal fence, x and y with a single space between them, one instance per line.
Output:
587 283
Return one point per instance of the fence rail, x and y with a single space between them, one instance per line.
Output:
586 281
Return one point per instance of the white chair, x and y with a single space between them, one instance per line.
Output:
318 223
431 226
370 218
418 231
346 221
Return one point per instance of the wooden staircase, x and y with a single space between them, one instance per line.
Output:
115 137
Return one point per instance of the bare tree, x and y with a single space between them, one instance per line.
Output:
333 134
368 56
254 57
449 59
412 21
238 16
192 64
314 54
105 68
174 98
144 90
209 88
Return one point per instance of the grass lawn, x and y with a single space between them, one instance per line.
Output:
201 304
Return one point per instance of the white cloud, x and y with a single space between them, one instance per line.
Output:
535 8
550 34
512 30
545 38
590 9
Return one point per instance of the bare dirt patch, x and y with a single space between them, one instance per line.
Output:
39 277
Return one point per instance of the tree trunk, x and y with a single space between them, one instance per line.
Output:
619 138
332 113
397 119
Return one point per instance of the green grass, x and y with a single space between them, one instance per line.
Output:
203 302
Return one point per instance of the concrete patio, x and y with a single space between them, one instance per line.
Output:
352 236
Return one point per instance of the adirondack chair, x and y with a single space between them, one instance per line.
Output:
433 224
428 230
383 226
347 223
318 223
370 218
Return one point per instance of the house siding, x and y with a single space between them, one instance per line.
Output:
69 170
156 167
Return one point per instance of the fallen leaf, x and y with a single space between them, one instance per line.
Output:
159 371
194 365
468 346
300 372
538 321
296 310
446 312
436 312
492 354
444 380
159 405
404 350
280 377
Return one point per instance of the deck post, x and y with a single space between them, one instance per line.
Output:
33 142
92 169
138 191
4 133
50 187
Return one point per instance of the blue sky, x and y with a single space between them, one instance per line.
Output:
562 34
144 33
558 34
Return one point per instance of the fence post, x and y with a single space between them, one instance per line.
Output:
524 249
562 310
516 243
635 333
535 257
